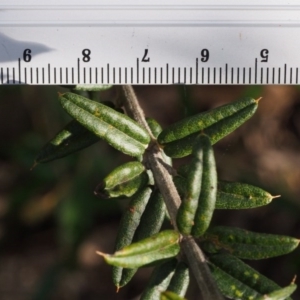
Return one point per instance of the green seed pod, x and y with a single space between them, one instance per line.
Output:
247 276
246 244
280 294
167 295
118 130
73 137
203 120
157 247
187 210
124 181
128 225
236 195
150 224
208 195
159 280
180 280
227 122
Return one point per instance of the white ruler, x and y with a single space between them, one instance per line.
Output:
149 42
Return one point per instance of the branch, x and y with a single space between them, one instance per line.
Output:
163 179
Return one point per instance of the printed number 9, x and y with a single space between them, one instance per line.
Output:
86 55
205 55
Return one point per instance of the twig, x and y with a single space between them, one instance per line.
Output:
166 186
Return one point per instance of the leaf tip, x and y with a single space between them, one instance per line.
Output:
34 165
276 196
257 100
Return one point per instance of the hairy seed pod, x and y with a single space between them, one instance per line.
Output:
230 117
124 181
117 129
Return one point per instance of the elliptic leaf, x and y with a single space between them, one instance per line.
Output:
117 129
157 247
124 180
246 244
179 144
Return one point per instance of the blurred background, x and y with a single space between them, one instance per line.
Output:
51 223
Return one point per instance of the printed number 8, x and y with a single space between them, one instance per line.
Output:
86 55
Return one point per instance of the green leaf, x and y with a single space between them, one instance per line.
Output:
177 140
195 213
118 130
150 224
208 195
157 247
180 280
154 126
236 195
247 278
167 295
73 137
280 294
123 181
128 225
232 287
92 87
246 244
230 195
159 280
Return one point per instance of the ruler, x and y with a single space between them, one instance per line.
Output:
149 42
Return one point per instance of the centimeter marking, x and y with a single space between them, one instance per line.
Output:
149 75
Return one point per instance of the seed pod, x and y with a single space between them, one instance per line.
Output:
159 280
73 137
118 130
124 181
180 280
226 119
243 273
128 225
150 224
167 295
246 244
157 247
236 195
280 294
208 195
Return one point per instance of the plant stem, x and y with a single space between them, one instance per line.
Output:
163 179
